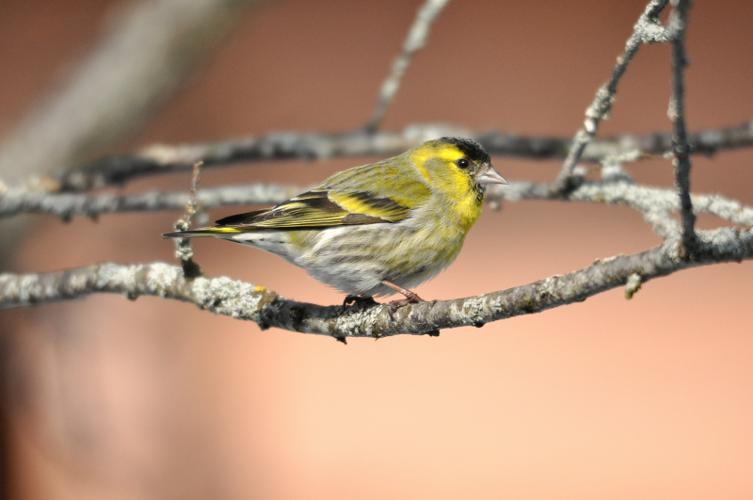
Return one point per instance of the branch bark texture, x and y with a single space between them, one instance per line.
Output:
682 245
646 30
162 159
678 23
250 302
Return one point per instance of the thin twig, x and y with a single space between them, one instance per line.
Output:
646 30
161 159
678 23
183 249
416 39
245 301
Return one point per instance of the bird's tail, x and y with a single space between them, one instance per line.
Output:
217 232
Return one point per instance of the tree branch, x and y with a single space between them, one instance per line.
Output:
143 57
654 203
161 159
246 301
19 200
416 39
678 23
149 49
183 248
646 30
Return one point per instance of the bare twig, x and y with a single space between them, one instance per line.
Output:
246 301
678 23
160 159
654 203
150 47
646 30
183 249
417 36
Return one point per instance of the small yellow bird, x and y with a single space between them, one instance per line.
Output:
379 228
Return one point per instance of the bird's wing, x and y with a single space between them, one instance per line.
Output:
377 193
314 209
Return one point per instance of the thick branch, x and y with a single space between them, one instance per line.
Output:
246 301
160 159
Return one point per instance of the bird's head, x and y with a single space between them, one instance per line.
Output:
455 165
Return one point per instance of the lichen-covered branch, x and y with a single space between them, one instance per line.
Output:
19 200
414 41
654 203
246 301
183 247
678 23
160 159
647 29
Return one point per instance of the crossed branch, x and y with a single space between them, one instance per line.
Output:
683 246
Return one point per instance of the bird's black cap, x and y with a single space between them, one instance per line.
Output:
472 149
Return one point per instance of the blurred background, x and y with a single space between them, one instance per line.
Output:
651 398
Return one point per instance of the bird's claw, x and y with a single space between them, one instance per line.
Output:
413 298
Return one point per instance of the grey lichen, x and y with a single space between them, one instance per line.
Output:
682 245
246 301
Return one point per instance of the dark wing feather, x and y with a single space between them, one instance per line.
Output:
240 219
315 210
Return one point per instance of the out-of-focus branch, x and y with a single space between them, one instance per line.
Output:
647 29
245 301
160 159
678 23
144 55
417 36
140 60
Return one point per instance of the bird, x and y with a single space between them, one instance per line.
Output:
375 229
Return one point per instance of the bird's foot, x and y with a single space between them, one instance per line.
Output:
394 305
411 297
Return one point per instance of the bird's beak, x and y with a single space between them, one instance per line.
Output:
490 176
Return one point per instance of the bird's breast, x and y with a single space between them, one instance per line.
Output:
456 213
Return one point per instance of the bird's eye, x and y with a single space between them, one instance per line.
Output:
463 163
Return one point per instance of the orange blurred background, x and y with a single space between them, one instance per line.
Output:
650 399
